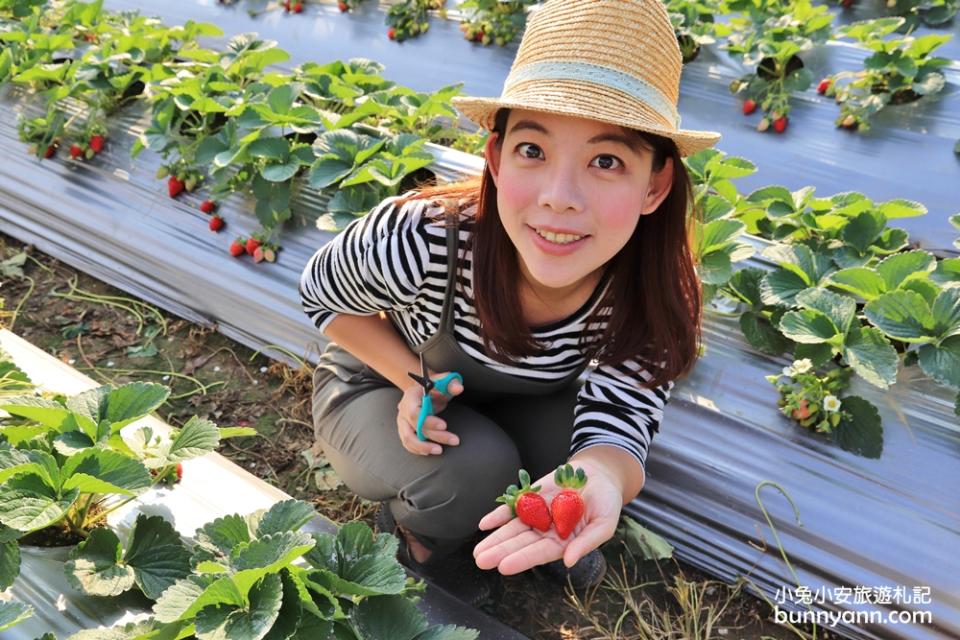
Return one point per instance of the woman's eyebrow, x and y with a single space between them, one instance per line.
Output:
629 143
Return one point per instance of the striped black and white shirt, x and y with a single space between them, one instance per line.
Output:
395 260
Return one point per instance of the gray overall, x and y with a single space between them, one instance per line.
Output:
503 422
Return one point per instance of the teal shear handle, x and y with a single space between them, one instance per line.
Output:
426 407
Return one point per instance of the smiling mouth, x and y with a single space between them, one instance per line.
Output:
558 238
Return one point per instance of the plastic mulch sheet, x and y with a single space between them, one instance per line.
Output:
196 500
891 522
907 154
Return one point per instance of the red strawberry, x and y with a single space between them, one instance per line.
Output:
298 7
174 186
236 248
823 86
478 36
567 507
527 504
252 245
749 106
179 471
52 149
803 412
780 124
96 143
392 33
207 206
76 151
846 3
216 223
342 6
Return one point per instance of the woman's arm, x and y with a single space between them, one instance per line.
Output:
375 341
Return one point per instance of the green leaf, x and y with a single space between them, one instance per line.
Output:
197 438
281 99
762 335
393 617
862 432
97 470
942 363
745 283
643 543
781 286
223 534
28 504
808 326
14 462
271 148
946 313
326 171
359 564
871 356
157 555
94 567
840 309
715 268
250 622
900 266
902 314
863 230
9 563
722 167
13 613
818 354
900 208
280 172
448 632
187 596
799 259
236 432
287 515
47 412
861 281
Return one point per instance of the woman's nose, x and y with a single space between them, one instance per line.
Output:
561 189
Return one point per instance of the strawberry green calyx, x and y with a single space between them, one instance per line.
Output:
566 477
513 493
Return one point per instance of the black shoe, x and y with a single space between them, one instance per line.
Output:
588 572
456 573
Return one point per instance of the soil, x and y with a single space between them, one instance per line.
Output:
218 379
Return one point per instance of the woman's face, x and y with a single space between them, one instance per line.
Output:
570 192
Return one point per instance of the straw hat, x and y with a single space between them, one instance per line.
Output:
616 61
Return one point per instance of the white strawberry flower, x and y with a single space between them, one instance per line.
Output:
802 366
831 403
788 371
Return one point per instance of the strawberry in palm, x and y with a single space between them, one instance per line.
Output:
567 507
527 504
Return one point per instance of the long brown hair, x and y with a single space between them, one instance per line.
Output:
654 300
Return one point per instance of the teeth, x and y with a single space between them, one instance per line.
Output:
559 238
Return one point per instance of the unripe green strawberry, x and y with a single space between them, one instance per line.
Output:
162 173
527 504
567 507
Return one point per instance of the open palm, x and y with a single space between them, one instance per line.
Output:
516 547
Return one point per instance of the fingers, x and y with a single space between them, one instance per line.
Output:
491 554
496 518
520 552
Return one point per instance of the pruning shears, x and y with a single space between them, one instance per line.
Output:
426 406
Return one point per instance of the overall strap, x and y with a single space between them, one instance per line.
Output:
453 250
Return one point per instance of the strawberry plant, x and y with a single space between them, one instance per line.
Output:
27 42
771 39
934 13
363 169
65 465
900 70
408 18
694 24
813 400
494 21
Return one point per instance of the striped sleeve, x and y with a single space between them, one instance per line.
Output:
377 263
614 409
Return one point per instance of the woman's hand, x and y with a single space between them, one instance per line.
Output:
515 547
434 427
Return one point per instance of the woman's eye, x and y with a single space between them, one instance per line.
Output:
530 145
607 161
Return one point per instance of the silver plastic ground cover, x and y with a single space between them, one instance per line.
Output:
198 499
907 154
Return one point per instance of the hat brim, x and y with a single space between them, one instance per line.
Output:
482 111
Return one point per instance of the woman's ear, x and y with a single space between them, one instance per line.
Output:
491 151
658 187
